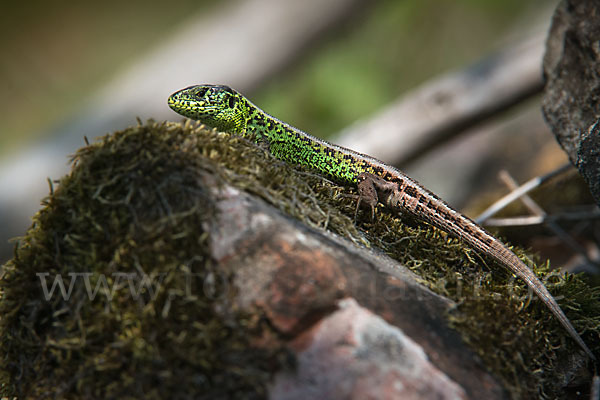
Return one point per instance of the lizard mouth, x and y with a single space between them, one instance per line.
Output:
197 96
186 100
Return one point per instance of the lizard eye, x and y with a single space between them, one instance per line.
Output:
232 101
201 92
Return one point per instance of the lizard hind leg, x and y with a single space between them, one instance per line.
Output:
367 194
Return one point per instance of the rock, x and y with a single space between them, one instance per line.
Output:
198 266
571 102
318 291
354 354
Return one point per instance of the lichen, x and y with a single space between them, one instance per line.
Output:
132 203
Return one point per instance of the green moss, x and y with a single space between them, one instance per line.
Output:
133 201
131 204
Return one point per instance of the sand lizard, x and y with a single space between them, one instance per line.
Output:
227 110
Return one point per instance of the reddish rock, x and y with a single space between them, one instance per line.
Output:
354 354
388 339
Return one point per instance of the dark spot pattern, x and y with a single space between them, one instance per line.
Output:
411 191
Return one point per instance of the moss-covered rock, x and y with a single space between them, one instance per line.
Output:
129 217
133 208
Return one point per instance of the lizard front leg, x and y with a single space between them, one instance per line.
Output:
367 194
373 189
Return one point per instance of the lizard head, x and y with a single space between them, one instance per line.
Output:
215 105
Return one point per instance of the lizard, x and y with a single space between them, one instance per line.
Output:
227 110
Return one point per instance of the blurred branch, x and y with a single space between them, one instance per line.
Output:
447 105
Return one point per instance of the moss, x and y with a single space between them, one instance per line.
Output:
132 202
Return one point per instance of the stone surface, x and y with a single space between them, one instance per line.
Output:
354 354
359 324
571 102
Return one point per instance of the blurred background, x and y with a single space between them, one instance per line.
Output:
71 69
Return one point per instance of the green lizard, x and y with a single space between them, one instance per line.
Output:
227 110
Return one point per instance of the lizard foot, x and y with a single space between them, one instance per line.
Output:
367 194
373 189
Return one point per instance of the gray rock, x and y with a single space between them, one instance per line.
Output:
571 97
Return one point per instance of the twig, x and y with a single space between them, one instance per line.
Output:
549 223
515 221
512 184
520 191
538 220
595 389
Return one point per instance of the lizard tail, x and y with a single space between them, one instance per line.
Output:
518 267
